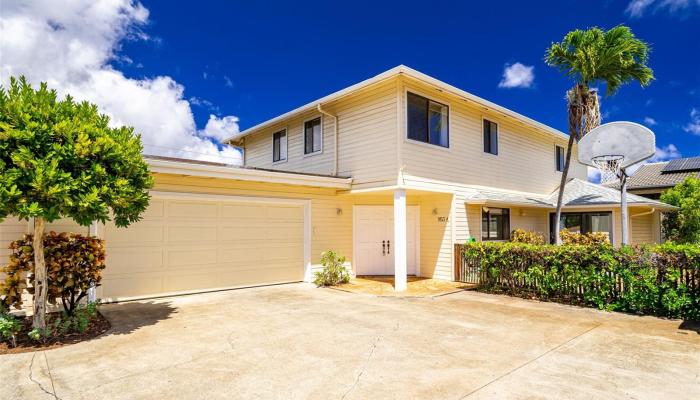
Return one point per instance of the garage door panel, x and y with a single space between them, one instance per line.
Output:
193 209
126 260
190 245
131 286
156 209
191 234
241 254
243 211
283 231
253 232
136 234
191 256
285 213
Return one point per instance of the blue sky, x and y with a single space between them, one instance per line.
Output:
187 75
258 59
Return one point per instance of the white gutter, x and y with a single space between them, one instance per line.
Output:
214 171
644 213
335 137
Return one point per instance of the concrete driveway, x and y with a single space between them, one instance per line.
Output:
299 342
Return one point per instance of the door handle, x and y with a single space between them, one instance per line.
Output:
383 247
388 247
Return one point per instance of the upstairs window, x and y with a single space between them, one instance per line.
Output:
490 137
427 121
495 223
279 146
559 158
313 136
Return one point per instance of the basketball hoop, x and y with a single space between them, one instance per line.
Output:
609 166
617 149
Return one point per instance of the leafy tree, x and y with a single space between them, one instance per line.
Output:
683 225
59 158
614 57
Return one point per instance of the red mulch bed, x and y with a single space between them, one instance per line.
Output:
98 325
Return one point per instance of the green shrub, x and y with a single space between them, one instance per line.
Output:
334 271
9 328
660 280
523 236
74 263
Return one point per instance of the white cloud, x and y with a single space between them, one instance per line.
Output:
228 82
638 8
221 128
517 76
694 125
70 47
650 121
665 153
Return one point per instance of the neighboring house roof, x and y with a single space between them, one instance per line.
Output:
181 166
406 71
654 175
582 193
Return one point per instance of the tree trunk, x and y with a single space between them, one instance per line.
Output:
560 197
584 115
40 276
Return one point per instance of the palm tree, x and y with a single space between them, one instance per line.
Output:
590 57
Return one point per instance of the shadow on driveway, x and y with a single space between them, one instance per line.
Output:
126 318
690 326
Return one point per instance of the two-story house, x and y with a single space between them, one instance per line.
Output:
390 172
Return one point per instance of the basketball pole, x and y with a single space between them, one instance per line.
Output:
623 207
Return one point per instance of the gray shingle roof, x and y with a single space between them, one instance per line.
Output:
650 176
577 193
582 193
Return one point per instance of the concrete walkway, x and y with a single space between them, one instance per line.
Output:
299 342
415 287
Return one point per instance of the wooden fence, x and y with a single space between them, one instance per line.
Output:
639 284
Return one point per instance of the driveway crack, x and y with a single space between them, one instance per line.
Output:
366 363
555 348
31 377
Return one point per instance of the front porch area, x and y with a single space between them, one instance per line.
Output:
415 286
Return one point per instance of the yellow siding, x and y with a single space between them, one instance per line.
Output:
530 219
10 229
642 229
366 134
525 161
436 243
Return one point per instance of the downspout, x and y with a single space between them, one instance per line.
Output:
335 137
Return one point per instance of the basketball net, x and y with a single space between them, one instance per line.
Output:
609 167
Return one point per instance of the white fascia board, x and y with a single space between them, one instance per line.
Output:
212 171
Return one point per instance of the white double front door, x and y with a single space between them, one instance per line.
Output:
374 240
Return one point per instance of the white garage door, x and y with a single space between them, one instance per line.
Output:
193 244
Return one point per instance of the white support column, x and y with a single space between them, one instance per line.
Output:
400 248
623 210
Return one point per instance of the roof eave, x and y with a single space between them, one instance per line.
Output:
409 72
190 169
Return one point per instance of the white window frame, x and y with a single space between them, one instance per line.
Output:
405 119
556 161
485 118
303 134
286 137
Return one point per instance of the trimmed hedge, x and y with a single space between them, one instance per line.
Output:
661 280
